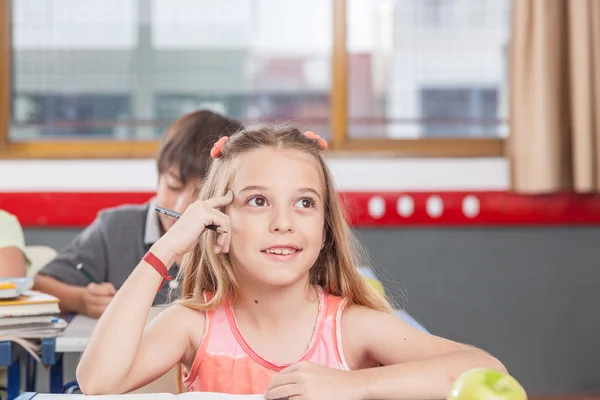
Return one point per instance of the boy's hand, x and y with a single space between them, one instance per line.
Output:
96 298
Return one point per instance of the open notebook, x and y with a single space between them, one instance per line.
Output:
151 396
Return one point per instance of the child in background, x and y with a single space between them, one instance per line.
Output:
118 238
275 305
13 260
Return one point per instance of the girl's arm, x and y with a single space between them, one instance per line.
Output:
121 355
417 365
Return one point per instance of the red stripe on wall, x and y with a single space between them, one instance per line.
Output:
473 208
64 209
366 209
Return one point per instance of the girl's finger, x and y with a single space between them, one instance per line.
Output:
221 201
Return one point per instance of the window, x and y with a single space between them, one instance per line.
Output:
410 60
310 109
369 75
451 112
56 116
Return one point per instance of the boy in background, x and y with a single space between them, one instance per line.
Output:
111 247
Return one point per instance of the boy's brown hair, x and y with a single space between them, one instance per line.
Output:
186 143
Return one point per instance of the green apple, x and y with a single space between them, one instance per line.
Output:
486 384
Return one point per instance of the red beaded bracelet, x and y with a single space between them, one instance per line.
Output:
159 266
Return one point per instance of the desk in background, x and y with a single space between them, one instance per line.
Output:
74 339
76 336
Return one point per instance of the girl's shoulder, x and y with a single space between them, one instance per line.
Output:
355 321
192 314
183 316
186 314
189 323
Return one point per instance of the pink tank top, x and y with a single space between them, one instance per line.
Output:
225 363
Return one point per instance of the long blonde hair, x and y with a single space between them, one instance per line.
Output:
336 267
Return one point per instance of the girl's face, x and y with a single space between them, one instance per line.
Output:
277 215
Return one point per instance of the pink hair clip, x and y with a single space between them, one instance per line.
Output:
322 142
217 148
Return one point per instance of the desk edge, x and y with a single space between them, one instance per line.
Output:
26 396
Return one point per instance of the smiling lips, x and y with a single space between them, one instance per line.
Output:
283 252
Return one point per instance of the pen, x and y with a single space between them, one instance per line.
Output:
174 214
87 274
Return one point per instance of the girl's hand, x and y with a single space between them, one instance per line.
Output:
185 233
313 382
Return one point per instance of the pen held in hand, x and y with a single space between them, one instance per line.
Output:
85 272
174 214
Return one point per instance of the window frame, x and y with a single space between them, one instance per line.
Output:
341 144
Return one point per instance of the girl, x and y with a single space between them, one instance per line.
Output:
274 304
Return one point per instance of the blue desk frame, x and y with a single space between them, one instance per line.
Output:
9 358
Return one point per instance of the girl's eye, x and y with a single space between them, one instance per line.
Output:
257 201
306 202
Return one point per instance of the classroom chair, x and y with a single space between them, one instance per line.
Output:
39 257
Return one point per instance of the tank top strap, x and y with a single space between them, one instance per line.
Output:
335 309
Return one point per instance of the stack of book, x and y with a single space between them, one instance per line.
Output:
28 314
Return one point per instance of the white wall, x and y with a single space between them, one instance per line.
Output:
351 174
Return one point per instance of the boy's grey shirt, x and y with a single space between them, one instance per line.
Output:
110 248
